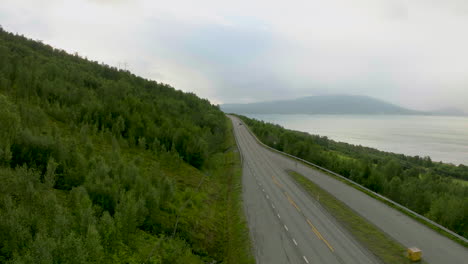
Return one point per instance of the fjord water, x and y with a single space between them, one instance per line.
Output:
443 138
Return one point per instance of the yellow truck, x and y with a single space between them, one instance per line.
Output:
414 254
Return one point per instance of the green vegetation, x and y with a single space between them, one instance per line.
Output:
424 186
98 165
381 245
462 182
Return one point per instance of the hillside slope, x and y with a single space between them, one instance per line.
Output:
329 104
98 165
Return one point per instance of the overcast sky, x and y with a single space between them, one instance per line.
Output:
409 52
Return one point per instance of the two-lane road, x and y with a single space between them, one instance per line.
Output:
288 226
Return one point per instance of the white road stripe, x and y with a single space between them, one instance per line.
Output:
268 197
278 215
295 243
273 206
305 259
285 227
263 190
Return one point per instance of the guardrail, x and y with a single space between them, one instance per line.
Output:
362 188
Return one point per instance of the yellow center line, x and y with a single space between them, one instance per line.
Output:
317 233
313 228
291 201
276 182
328 245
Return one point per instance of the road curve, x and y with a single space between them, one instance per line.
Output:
288 226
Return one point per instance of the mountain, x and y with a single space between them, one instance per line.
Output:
449 111
327 104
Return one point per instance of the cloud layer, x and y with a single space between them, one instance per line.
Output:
412 53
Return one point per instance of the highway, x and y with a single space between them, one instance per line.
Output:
289 226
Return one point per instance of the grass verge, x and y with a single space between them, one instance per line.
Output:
413 216
239 248
371 237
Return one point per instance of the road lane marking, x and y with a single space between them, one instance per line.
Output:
291 201
328 245
276 182
317 233
313 229
272 205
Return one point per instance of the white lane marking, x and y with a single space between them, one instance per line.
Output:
295 243
263 190
305 259
268 197
285 227
273 206
278 215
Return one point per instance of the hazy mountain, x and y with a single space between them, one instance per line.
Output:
449 111
328 104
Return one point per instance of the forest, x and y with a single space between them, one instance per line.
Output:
434 189
98 165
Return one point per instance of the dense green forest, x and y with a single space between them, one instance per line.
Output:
98 165
425 187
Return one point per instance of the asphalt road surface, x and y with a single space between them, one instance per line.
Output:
289 226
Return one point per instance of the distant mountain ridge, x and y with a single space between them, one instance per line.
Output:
330 104
326 104
449 111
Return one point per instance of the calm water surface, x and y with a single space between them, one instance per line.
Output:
440 137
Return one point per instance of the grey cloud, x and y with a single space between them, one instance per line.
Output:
408 52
